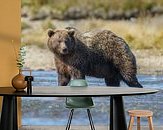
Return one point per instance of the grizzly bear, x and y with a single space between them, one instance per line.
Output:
100 54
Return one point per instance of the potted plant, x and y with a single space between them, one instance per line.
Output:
20 60
18 81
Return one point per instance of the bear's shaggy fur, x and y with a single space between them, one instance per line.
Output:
100 54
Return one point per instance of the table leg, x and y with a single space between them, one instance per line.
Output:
117 114
9 113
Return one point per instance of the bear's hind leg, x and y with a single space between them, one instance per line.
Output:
112 81
133 82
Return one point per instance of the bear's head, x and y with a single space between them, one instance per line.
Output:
61 42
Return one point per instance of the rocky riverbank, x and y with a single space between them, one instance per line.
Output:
148 61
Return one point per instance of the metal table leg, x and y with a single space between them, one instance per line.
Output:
9 113
117 114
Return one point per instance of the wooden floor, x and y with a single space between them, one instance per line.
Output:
79 128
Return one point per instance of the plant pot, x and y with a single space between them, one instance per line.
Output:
18 82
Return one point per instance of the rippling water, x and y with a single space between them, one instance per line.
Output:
51 111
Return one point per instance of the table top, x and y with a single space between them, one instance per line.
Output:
66 91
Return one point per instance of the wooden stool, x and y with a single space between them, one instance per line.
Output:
138 114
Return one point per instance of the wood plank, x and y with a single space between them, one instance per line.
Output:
79 128
61 128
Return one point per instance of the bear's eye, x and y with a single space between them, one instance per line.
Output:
59 41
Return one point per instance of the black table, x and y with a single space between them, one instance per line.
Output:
117 114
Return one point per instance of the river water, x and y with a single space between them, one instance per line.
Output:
52 111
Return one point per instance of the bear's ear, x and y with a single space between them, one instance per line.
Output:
50 33
71 32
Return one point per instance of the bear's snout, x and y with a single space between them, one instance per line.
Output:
65 51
